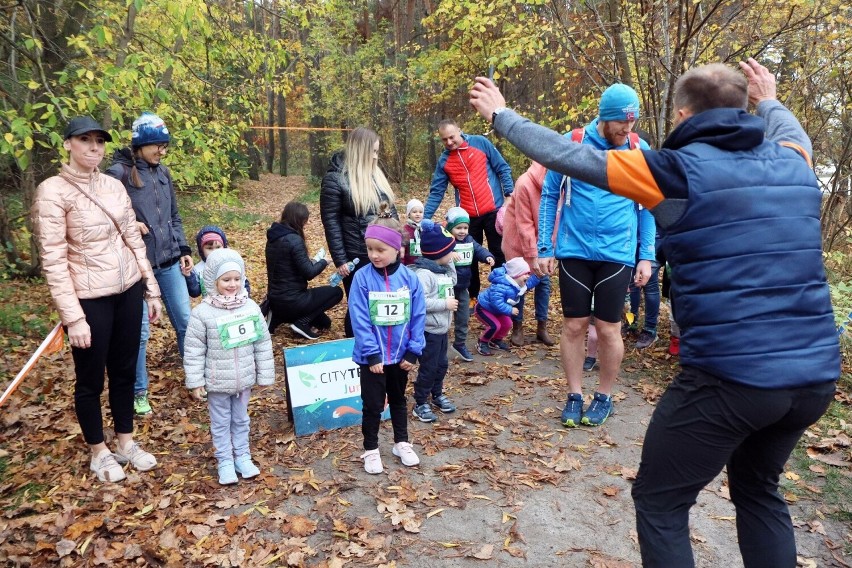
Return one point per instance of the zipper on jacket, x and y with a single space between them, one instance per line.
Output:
387 289
469 184
111 229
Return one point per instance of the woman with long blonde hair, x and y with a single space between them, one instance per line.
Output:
352 191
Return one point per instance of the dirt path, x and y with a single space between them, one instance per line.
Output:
501 482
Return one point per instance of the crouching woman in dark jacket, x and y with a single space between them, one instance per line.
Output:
289 269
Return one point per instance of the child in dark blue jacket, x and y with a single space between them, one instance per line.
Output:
496 304
469 254
208 239
388 312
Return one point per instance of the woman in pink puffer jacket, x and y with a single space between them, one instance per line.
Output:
96 267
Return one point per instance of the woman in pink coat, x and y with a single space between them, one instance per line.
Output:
520 238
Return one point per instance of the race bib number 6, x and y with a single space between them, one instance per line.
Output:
239 329
390 308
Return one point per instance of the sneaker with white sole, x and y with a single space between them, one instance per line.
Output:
423 412
141 460
303 328
372 462
444 404
245 467
405 453
106 467
461 350
589 363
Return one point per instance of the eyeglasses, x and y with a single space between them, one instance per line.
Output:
162 147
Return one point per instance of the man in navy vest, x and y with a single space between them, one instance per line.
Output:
483 182
738 207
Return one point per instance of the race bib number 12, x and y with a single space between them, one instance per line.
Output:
390 308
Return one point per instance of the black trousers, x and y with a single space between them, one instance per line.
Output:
116 325
479 226
701 425
433 368
310 305
347 284
374 388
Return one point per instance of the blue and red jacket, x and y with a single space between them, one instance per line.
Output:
386 344
478 172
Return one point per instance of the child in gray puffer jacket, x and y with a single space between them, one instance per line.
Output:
227 351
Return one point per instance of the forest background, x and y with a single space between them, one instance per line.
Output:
273 85
221 72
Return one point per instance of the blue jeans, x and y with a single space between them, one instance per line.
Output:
175 298
542 301
462 316
652 299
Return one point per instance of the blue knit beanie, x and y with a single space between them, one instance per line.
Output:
207 229
619 102
149 129
435 241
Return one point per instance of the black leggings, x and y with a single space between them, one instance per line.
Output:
116 325
375 389
310 305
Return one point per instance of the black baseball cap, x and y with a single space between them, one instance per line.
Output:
82 124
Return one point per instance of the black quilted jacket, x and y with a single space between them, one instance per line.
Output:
344 230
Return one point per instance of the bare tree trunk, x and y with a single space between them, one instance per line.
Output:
282 135
121 56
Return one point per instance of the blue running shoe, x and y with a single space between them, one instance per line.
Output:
599 410
461 351
502 345
573 411
444 404
590 363
423 412
483 349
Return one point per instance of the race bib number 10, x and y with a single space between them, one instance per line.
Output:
465 252
390 308
239 329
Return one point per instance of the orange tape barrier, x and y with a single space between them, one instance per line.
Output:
51 344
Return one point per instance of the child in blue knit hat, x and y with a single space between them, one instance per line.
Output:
208 239
437 275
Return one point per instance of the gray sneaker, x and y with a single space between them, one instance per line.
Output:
444 404
590 363
423 412
646 339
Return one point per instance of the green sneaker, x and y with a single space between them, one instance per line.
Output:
141 407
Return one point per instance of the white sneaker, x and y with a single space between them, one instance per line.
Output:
106 468
405 452
141 460
372 461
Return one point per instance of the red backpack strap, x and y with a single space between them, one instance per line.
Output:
633 138
577 135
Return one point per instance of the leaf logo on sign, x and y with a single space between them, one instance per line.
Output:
307 379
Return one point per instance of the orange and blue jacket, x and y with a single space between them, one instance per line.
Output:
738 206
